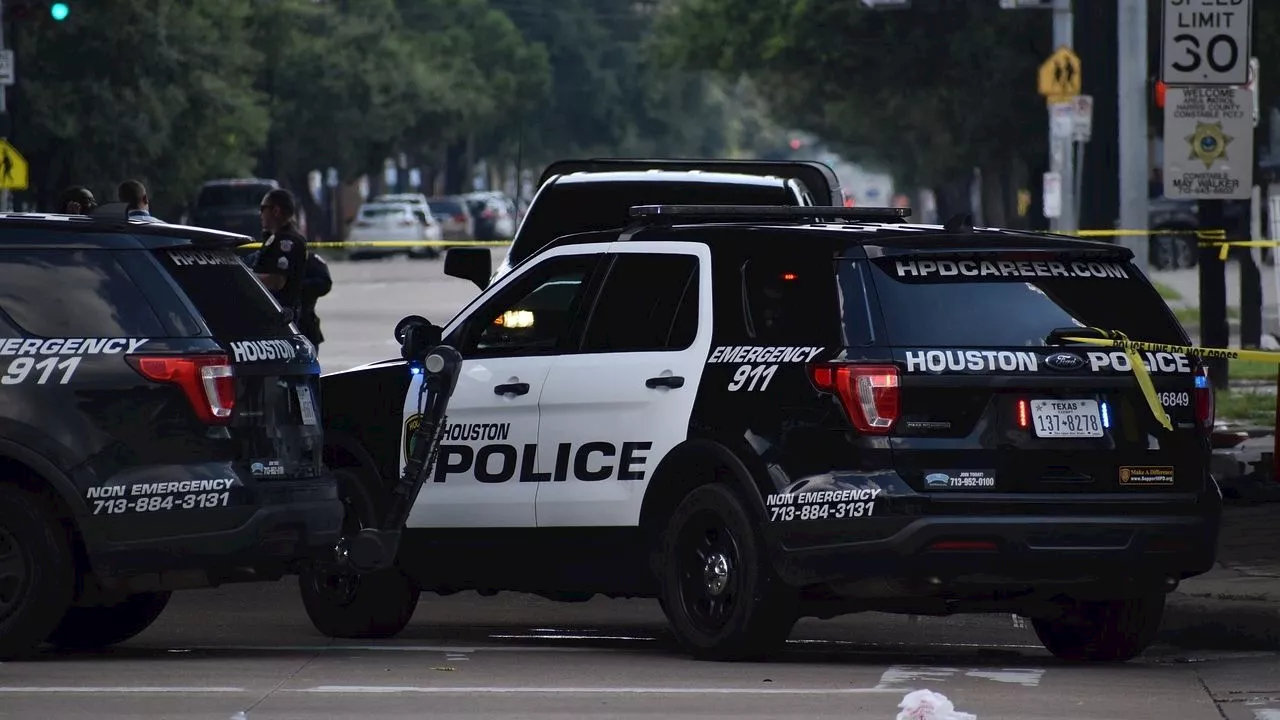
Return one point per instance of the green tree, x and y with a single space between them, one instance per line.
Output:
165 96
490 77
931 92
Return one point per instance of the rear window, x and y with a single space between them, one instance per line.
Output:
74 293
383 211
232 195
225 292
787 297
565 209
1013 302
446 207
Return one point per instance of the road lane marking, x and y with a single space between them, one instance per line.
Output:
897 675
120 689
387 648
493 690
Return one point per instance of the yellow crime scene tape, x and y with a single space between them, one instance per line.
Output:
1219 234
1226 245
1115 338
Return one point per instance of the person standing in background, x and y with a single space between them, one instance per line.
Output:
134 194
281 263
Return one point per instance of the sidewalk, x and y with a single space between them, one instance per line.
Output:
1236 606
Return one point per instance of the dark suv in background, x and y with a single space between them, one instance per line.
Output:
158 427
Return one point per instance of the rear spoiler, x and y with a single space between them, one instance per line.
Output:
818 178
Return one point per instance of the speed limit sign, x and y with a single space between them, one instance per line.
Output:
1206 42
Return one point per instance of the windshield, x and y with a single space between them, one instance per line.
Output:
383 211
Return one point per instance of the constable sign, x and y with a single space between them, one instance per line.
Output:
1208 143
1206 42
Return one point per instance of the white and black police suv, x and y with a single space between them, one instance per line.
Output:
159 427
756 414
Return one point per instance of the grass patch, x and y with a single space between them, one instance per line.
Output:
1191 315
1250 370
1166 292
1247 407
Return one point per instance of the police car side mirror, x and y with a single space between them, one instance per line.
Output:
473 263
417 336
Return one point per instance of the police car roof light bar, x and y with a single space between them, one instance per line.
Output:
748 213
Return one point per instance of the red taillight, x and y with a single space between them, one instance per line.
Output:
1024 414
207 380
869 393
1205 409
460 218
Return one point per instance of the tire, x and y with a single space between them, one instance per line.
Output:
37 572
347 605
1102 631
718 590
93 627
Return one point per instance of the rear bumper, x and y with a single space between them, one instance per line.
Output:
1012 551
286 524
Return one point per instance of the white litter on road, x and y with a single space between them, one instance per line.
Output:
929 705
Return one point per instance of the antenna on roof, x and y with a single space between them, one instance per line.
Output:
960 223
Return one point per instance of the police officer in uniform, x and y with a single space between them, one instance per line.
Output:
282 261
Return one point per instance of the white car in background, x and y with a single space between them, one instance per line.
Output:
397 222
419 202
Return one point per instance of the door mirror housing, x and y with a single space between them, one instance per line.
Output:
417 336
469 263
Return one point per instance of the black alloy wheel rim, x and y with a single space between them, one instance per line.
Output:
708 564
14 574
330 579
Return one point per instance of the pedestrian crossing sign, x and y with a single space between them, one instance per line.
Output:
13 168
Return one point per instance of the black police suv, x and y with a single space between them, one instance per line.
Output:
757 414
158 427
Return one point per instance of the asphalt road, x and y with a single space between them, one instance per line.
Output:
249 651
370 296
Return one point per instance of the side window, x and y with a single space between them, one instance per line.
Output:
791 299
534 314
649 302
74 293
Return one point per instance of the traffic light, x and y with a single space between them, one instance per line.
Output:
59 11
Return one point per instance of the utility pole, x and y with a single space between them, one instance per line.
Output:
5 124
1061 150
1131 96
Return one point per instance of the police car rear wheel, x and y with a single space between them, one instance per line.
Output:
343 604
90 627
1106 631
37 572
718 591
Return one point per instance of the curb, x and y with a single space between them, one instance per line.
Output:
1215 624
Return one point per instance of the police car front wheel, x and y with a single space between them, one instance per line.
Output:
718 590
344 604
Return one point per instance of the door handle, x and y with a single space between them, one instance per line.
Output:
669 381
511 389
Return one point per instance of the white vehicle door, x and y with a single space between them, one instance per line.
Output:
612 409
508 339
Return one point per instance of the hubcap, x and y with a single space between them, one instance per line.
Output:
716 573
13 573
705 565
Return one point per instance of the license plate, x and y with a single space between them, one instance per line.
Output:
306 405
1066 418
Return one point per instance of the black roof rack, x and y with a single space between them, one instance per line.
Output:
748 213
